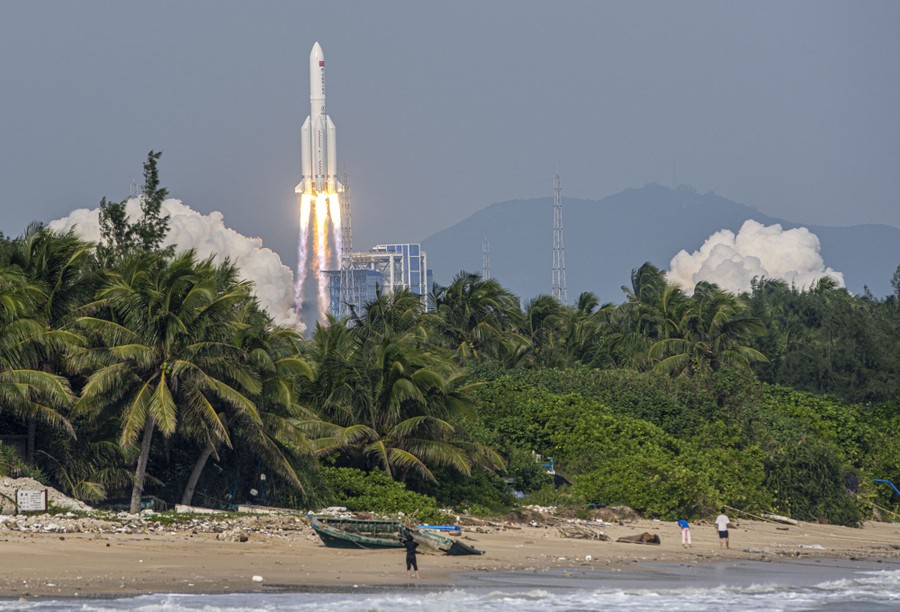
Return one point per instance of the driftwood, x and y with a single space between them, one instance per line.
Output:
644 538
781 519
581 532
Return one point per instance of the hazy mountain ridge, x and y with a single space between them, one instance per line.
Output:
606 239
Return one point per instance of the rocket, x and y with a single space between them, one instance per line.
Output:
318 148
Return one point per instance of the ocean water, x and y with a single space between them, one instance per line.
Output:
862 591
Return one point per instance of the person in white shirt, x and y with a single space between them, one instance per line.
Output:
722 525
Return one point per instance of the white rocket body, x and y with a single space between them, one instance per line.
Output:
318 136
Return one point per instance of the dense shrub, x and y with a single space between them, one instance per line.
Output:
686 446
375 492
808 483
612 459
481 492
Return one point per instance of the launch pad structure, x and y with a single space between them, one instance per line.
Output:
348 292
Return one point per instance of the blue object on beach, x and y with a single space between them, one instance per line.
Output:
893 486
441 527
551 466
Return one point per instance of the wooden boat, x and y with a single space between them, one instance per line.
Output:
354 533
450 546
376 534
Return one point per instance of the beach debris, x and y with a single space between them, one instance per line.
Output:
781 519
333 510
9 486
812 546
541 509
762 550
257 578
257 509
232 535
581 532
769 551
182 509
615 514
643 538
123 523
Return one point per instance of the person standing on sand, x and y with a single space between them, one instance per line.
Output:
722 525
685 533
411 563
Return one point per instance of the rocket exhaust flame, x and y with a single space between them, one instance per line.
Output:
318 251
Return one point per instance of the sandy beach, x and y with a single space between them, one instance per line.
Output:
283 554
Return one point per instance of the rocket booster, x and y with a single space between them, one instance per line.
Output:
318 148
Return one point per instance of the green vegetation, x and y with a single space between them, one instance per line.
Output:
129 370
375 491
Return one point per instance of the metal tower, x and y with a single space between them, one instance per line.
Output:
485 259
348 294
558 282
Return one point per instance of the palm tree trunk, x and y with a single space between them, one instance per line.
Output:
140 472
29 443
188 496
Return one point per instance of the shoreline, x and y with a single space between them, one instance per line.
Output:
181 560
653 576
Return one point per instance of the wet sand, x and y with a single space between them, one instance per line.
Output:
657 575
180 561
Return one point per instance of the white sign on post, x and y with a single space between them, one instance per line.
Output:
31 501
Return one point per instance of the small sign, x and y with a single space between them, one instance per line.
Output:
31 501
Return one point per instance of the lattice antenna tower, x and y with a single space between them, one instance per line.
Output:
348 294
558 282
485 259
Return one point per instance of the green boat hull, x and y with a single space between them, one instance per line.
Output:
374 535
375 539
449 546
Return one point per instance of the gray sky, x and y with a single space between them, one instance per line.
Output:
444 108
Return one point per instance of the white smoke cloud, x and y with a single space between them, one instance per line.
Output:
207 235
732 261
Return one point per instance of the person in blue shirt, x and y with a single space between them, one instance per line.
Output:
685 533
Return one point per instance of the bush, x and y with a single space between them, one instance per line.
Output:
529 474
481 492
375 492
654 485
686 446
807 481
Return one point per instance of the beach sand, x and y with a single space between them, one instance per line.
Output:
186 561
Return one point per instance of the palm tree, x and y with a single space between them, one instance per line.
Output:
477 316
87 470
25 391
389 314
63 268
590 334
652 312
715 330
544 326
392 397
161 349
280 435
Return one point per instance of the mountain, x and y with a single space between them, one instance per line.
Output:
605 240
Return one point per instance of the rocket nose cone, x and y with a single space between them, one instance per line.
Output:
316 53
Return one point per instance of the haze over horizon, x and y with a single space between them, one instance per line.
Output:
443 110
